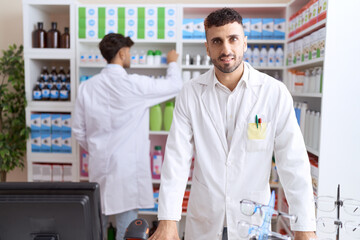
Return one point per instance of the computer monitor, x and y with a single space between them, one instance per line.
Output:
50 211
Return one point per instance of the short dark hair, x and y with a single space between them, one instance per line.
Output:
222 17
112 43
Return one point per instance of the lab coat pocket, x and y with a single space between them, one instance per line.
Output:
257 136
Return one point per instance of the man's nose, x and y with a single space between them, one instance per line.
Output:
226 48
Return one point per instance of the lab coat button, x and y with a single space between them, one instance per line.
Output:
228 163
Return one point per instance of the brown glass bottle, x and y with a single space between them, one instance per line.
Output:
65 39
53 36
39 37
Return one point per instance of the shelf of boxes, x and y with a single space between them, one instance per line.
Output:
310 95
308 64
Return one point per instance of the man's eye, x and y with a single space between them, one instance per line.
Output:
233 39
216 42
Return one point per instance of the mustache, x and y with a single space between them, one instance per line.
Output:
229 55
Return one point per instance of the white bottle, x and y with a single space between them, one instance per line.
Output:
248 55
271 57
142 57
312 81
135 58
279 57
306 81
256 56
150 57
303 109
307 127
311 131
263 56
316 131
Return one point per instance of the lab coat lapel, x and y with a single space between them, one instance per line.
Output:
211 104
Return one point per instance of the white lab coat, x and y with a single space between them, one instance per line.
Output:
223 176
111 121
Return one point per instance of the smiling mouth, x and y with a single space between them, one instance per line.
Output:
226 59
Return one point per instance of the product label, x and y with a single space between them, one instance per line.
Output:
37 95
157 163
64 94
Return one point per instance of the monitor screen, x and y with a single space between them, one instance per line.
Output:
50 211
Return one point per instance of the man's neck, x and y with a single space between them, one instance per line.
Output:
230 80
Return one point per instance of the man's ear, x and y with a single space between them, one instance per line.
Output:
121 54
245 43
207 48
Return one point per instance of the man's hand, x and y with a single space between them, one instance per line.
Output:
167 230
305 235
172 56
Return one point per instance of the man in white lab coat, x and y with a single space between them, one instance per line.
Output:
216 119
111 121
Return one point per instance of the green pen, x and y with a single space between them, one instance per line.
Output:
257 121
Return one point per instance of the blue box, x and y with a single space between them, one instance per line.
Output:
56 142
246 26
45 123
56 125
255 28
66 123
267 28
35 142
187 28
45 142
35 122
199 28
279 28
66 142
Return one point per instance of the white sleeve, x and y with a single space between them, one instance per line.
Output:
293 165
78 123
176 167
155 91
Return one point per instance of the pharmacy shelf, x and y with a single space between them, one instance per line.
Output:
49 53
312 95
133 66
195 67
308 30
250 41
50 106
313 151
269 68
309 64
159 132
96 41
51 157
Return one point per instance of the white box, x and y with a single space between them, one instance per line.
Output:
255 28
45 123
35 122
290 54
45 142
267 28
67 173
187 28
313 45
298 51
246 26
57 173
306 48
321 42
46 173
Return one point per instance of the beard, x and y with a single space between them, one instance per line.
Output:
227 68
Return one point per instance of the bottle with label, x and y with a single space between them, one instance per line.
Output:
61 74
53 36
155 118
279 56
111 232
256 56
53 74
45 73
150 57
65 39
39 37
156 165
271 56
168 115
263 56
157 57
41 81
54 93
45 93
37 92
163 58
67 81
248 55
64 93
142 57
135 58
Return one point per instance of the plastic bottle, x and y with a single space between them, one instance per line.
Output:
279 56
311 129
271 56
65 39
63 93
150 57
316 131
306 81
303 109
142 57
45 73
41 81
155 118
248 55
157 57
307 127
54 93
163 58
45 93
53 73
318 79
256 56
135 58
67 81
37 92
61 74
53 36
39 37
312 81
168 115
157 162
263 56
